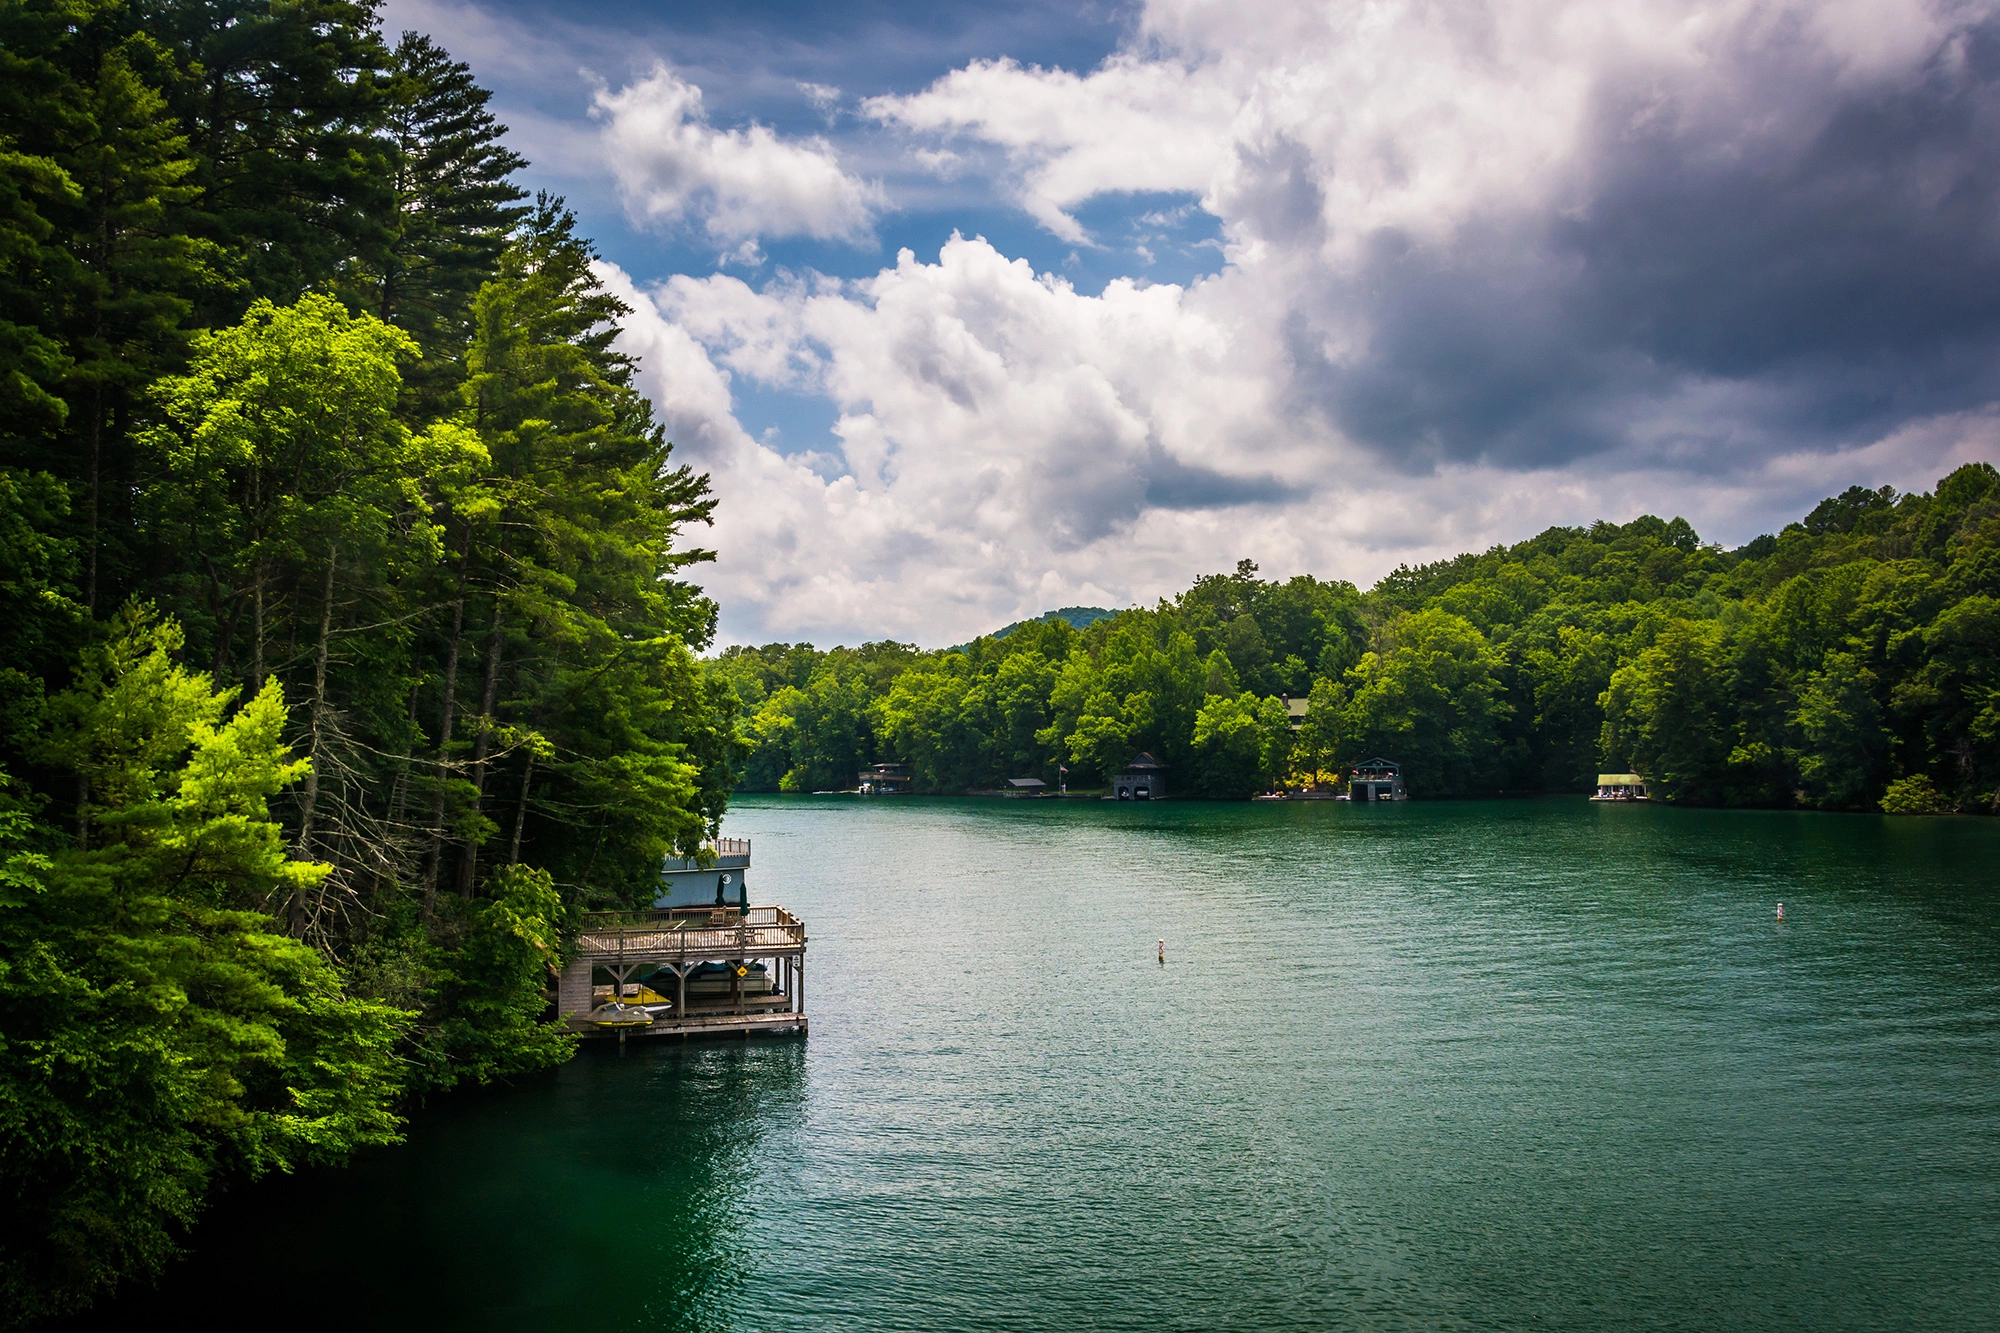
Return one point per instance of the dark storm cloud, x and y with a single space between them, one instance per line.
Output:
1173 484
1813 263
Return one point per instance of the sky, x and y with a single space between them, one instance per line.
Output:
973 311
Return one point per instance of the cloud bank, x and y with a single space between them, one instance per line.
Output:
1486 267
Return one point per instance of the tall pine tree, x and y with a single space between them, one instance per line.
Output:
453 208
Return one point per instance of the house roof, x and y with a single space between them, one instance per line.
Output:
1620 780
1143 762
1024 784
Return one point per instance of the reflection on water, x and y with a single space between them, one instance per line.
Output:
1522 1064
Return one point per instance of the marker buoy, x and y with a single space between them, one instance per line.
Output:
1163 951
1781 911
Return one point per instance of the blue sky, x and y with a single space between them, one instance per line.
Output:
972 311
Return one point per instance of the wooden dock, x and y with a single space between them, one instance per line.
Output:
677 941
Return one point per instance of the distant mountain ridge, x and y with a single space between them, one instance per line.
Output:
1077 616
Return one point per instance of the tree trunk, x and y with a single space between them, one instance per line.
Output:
468 866
399 796
257 589
96 462
446 722
521 810
309 797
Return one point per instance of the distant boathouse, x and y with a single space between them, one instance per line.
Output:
885 780
1377 780
1620 787
1142 780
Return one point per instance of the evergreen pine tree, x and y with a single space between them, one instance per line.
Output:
454 207
587 628
279 99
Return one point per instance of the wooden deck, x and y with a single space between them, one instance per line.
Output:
653 937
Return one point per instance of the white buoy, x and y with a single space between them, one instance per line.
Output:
1781 911
1163 951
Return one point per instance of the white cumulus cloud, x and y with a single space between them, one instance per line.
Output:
1134 124
738 185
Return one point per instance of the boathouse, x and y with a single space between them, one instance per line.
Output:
1377 780
1142 780
1026 786
713 969
1620 787
885 780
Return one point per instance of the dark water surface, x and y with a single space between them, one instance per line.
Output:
1489 1065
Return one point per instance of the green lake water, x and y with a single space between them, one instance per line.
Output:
1486 1065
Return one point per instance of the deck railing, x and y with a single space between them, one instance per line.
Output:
632 934
718 848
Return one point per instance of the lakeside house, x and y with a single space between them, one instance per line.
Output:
1026 786
1142 779
702 962
1377 780
1297 708
685 882
885 780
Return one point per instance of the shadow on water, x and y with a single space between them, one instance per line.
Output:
609 1194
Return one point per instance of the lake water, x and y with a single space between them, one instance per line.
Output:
1490 1065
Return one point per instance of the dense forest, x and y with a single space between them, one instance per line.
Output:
346 648
1850 662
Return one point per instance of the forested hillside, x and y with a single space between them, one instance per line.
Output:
1850 662
345 645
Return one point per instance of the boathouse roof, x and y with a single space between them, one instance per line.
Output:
1145 763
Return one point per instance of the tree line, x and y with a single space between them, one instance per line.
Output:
1849 662
347 648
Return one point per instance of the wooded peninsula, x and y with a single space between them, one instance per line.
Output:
1850 662
348 650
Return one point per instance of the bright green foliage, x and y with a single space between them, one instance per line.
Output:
804 714
1241 743
489 985
1321 739
1667 713
587 624
1913 795
1433 703
1843 744
158 1027
284 456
